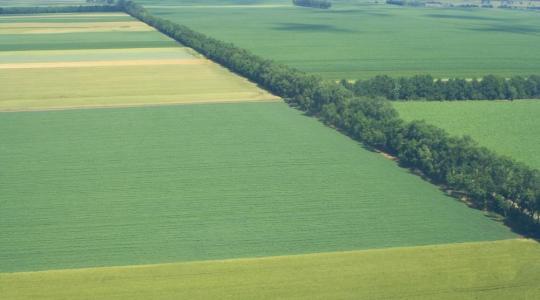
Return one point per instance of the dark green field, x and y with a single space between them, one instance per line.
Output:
358 41
85 188
87 40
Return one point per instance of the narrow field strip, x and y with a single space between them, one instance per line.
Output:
63 15
16 57
112 63
233 98
491 270
220 6
47 28
185 81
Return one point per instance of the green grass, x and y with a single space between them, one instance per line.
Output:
492 270
53 88
359 41
10 57
509 128
113 187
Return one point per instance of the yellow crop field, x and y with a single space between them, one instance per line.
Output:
489 270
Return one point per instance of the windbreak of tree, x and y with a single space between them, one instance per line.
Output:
488 180
425 87
58 9
325 4
406 2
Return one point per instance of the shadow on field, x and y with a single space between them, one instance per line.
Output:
309 27
507 28
461 17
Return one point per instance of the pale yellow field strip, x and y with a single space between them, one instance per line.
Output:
239 98
111 63
63 15
44 28
221 6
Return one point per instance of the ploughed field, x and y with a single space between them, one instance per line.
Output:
355 41
510 128
214 200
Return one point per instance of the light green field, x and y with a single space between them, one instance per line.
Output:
359 41
11 57
509 128
54 88
114 187
492 270
8 3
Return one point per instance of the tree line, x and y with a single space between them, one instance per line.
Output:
489 181
58 9
324 4
425 87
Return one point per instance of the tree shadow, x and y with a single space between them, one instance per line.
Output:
310 27
508 28
461 17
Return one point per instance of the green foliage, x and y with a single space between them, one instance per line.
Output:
324 4
493 270
455 162
193 182
425 87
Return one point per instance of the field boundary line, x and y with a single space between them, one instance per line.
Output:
276 257
135 105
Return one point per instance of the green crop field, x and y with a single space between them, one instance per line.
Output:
491 270
509 128
86 40
113 187
359 41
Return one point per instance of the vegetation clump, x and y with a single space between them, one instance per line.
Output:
324 4
425 87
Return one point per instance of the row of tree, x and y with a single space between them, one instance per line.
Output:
58 9
425 87
324 4
490 181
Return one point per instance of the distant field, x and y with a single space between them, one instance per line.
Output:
359 41
41 68
509 128
490 270
77 31
114 187
41 2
